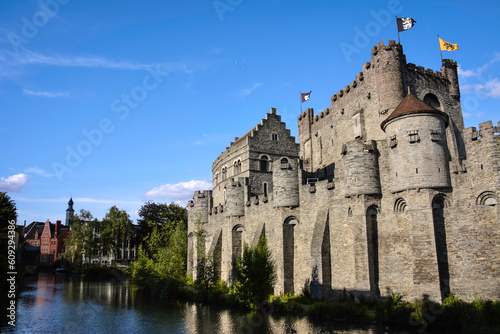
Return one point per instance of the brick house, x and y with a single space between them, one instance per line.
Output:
49 238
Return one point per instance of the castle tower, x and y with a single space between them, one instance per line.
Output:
449 69
69 212
285 183
361 168
418 152
235 198
198 208
387 62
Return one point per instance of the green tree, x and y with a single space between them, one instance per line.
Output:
83 243
254 273
116 227
153 214
8 212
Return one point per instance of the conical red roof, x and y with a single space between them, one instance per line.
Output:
410 105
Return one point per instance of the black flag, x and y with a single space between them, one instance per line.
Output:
405 23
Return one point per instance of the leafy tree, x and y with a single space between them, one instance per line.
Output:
116 227
254 273
83 242
158 215
8 211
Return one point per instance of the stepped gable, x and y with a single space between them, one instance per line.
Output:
412 105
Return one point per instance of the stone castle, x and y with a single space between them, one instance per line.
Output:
386 190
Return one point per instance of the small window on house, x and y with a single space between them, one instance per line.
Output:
284 163
435 135
413 136
393 141
265 189
274 137
264 163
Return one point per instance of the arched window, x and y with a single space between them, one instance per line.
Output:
264 163
372 241
237 240
433 101
224 173
288 254
438 205
237 167
284 163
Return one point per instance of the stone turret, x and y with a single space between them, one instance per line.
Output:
198 207
235 194
361 168
418 152
285 183
449 69
387 63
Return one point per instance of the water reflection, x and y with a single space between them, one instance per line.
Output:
65 304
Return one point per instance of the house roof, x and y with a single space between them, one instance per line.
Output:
412 105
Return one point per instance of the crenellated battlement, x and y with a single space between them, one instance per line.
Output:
486 130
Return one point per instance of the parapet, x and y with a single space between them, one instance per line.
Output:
486 129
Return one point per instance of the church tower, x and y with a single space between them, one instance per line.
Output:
69 212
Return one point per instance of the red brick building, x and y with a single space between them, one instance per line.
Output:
49 238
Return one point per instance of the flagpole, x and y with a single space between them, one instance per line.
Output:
399 42
300 95
440 51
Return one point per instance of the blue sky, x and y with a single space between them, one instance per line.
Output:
121 102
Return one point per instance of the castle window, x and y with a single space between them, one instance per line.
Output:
357 124
284 163
265 189
435 135
237 167
413 136
274 137
393 141
264 164
433 101
224 173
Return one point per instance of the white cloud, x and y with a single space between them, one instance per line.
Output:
44 94
477 114
38 171
180 192
480 70
10 59
466 73
248 91
489 88
13 183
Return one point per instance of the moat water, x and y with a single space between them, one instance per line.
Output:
63 303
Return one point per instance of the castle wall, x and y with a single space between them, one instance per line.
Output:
340 218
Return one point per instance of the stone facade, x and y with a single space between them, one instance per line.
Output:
383 192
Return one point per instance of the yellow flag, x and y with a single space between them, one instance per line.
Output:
444 45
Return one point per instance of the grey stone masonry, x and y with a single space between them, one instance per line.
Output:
385 191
